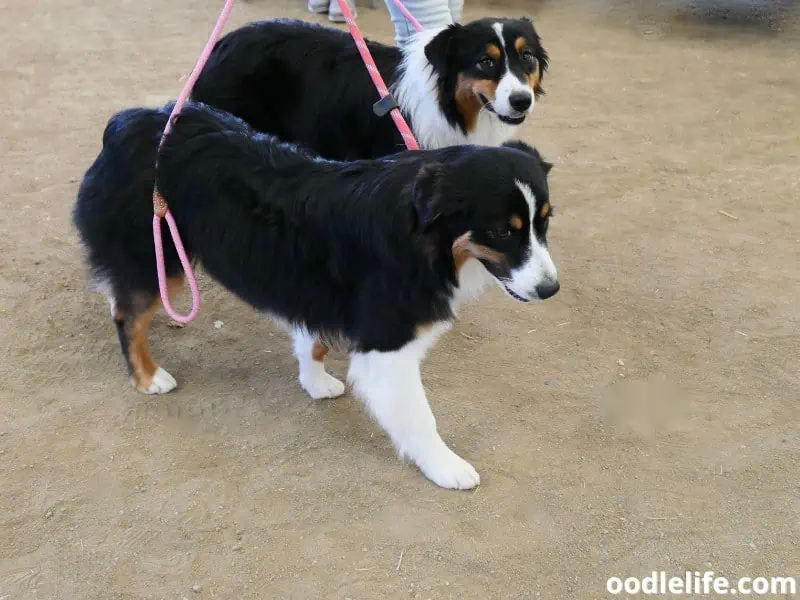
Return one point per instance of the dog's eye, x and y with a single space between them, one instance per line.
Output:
527 56
485 63
501 233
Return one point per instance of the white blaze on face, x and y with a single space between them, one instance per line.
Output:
538 268
509 84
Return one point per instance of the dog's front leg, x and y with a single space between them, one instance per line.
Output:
390 385
310 354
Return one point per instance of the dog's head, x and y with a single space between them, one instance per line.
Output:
495 65
490 209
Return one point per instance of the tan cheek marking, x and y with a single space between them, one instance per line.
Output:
464 249
487 87
493 52
520 43
535 79
461 251
488 254
544 211
318 351
515 222
469 106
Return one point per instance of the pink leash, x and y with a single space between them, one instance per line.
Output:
160 209
372 69
407 14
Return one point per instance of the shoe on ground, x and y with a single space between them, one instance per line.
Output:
318 6
335 13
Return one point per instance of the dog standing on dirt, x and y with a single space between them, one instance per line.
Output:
307 84
372 255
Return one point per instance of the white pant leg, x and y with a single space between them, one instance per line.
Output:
431 14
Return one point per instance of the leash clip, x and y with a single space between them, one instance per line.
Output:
384 106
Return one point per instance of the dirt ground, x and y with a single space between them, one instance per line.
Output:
647 418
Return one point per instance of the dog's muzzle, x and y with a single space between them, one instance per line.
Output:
515 119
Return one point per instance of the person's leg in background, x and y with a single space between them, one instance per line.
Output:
431 14
456 10
332 8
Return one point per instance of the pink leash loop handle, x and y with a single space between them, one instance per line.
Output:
372 69
407 14
160 208
163 286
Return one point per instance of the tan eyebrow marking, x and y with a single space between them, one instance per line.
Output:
516 222
544 212
493 52
520 43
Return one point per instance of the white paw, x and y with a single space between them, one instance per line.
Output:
321 385
447 469
162 383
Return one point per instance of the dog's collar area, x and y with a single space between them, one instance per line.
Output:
515 296
508 120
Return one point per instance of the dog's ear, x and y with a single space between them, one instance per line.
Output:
430 198
521 146
438 50
528 149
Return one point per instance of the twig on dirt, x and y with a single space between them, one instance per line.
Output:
400 562
469 337
564 323
661 518
741 333
365 569
729 215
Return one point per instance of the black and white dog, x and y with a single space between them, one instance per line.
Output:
375 255
306 84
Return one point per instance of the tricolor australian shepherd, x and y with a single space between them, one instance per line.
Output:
374 255
304 83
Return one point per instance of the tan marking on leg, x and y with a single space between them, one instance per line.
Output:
515 222
318 351
175 285
139 350
175 288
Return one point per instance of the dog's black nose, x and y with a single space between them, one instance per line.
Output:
546 290
520 101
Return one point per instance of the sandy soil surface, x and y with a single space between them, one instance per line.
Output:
646 418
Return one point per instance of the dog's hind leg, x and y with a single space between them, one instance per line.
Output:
132 315
310 354
390 385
